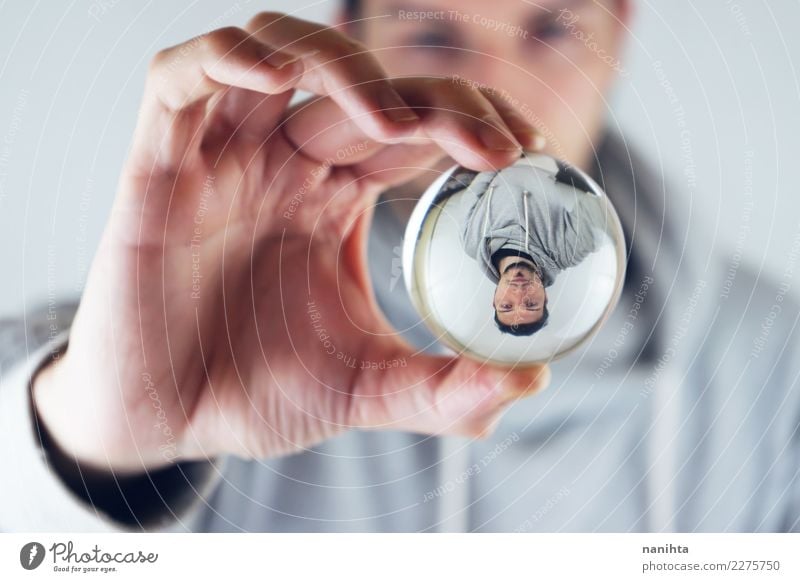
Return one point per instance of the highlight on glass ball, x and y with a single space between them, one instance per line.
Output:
517 266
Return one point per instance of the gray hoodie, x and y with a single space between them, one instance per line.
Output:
525 207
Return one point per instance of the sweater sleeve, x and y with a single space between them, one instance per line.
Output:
45 490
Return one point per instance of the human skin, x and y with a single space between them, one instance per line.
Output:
553 76
519 296
220 319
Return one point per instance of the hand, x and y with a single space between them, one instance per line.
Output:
228 308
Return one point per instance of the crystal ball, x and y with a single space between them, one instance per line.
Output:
516 266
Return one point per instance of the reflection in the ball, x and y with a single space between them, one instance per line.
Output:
543 245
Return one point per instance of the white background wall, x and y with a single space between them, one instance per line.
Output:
70 85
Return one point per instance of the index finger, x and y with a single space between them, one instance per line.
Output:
340 67
182 78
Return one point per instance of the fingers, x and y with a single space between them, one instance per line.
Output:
435 396
398 164
475 130
274 54
340 67
228 56
323 131
463 122
182 78
244 114
525 132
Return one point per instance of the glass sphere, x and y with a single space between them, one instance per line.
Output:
516 266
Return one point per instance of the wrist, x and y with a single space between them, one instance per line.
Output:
134 498
76 433
59 428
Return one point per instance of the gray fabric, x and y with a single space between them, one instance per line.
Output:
669 420
21 336
563 225
99 500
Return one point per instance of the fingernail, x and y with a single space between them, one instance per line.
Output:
494 139
395 108
530 138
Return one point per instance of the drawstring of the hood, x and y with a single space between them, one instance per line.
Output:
525 195
488 209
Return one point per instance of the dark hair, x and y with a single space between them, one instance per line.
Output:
524 328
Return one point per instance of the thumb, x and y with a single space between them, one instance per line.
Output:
436 395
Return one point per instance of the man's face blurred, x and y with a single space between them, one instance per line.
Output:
554 60
519 297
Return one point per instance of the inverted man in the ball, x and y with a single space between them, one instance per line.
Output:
524 226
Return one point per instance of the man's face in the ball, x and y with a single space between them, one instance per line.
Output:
519 297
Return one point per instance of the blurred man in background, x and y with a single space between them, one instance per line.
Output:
656 425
